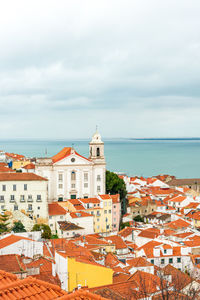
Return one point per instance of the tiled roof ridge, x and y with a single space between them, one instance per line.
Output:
7 274
19 263
30 280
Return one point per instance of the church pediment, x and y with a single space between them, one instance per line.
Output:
74 159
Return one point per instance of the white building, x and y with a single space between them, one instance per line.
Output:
73 176
25 192
14 244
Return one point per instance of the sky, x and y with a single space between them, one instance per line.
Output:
130 67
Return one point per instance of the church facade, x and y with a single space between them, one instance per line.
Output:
71 176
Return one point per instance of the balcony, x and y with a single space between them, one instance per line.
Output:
12 200
22 200
2 201
38 200
30 200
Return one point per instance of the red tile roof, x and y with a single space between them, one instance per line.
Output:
29 166
55 209
115 198
30 288
21 177
12 263
6 278
4 168
65 152
117 240
80 214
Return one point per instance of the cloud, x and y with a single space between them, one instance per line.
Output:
132 67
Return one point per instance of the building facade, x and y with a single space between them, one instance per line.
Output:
71 176
24 192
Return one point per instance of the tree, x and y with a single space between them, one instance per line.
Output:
45 229
18 227
115 185
4 217
138 218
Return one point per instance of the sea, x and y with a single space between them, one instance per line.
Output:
140 157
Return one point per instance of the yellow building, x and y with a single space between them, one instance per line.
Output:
18 164
74 272
100 207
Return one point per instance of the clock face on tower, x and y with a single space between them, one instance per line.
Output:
72 159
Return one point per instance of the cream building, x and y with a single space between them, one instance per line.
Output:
25 192
71 175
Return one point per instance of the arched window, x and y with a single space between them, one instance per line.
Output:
98 151
91 151
73 175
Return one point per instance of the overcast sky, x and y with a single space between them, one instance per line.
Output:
132 67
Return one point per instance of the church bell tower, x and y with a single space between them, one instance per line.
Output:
97 149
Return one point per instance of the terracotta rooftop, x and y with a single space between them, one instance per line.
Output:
30 288
55 209
64 225
80 214
117 240
65 152
21 177
30 166
6 278
82 295
12 263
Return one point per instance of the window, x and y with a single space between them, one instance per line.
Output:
60 177
38 207
107 226
22 198
92 213
109 211
85 185
25 187
60 199
115 213
114 219
98 189
2 207
178 259
1 198
61 217
73 175
30 198
170 260
85 176
98 227
14 187
162 261
109 203
114 225
98 151
38 216
12 197
98 213
97 219
30 207
114 206
39 198
51 225
50 217
73 186
15 207
73 197
98 177
3 187
152 261
105 203
105 211
165 251
60 186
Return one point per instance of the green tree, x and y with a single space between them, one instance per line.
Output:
45 229
4 217
115 185
18 227
138 218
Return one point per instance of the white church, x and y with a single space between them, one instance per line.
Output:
71 176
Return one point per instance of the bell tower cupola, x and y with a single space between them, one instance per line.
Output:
96 148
